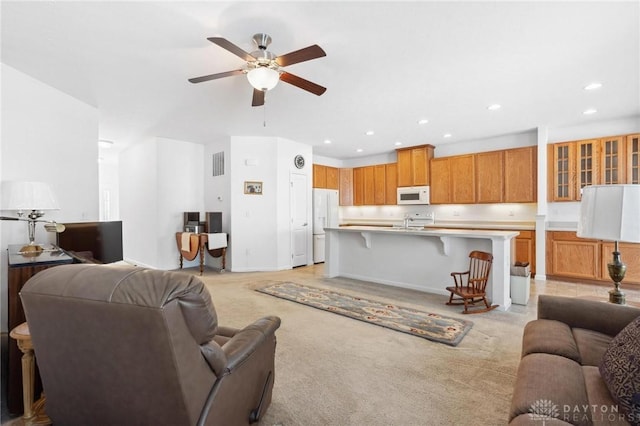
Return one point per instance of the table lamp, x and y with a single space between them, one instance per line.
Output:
611 213
30 200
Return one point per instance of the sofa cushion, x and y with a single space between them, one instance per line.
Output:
604 410
620 369
545 384
591 345
550 337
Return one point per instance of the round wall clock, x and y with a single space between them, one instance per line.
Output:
299 161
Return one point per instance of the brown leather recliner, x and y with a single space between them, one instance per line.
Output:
124 345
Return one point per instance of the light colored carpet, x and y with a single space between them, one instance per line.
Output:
333 370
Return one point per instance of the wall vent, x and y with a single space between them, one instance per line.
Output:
218 164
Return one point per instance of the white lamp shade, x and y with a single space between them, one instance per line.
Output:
27 196
610 212
263 78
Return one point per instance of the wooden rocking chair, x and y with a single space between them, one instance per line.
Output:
470 286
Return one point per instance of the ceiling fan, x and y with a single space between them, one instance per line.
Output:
264 69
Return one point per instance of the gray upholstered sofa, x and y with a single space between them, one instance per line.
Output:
559 378
133 346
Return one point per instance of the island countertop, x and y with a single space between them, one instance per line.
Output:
428 231
418 258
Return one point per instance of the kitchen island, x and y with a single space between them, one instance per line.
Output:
418 258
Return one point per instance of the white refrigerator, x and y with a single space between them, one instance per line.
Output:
325 214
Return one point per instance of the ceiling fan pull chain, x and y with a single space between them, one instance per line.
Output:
264 118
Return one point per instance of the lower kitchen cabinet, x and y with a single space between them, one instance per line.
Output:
569 256
526 249
629 254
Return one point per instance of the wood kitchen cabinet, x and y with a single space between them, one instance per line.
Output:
573 257
587 165
633 163
605 161
358 186
379 184
520 175
629 254
463 189
319 176
453 180
346 187
561 179
526 249
612 160
369 185
391 184
440 191
333 178
413 165
325 177
489 177
569 256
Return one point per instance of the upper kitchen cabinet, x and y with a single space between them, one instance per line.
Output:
463 189
612 160
440 191
346 187
391 183
333 178
633 163
413 165
604 161
489 177
562 172
520 175
319 176
325 177
358 186
587 165
452 180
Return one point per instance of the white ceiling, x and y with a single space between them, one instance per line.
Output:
388 64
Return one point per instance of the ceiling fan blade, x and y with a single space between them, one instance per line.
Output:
306 54
258 97
215 76
300 82
226 44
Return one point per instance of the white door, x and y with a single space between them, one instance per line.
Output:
299 220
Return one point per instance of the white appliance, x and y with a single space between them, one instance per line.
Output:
325 214
413 195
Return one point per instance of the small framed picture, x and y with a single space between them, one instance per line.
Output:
252 187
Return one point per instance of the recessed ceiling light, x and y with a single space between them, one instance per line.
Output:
590 111
423 121
494 107
327 141
359 150
398 143
369 133
103 143
446 135
593 86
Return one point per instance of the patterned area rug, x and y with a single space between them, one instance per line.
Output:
422 324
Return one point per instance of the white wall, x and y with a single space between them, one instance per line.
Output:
260 227
44 132
160 179
109 190
217 195
515 140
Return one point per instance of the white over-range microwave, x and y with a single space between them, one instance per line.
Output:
413 195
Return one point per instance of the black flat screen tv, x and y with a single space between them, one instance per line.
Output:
102 239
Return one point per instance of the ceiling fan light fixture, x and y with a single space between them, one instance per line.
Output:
263 78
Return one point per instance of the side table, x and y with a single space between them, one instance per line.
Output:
21 268
33 413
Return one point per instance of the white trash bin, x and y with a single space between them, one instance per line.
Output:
520 284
